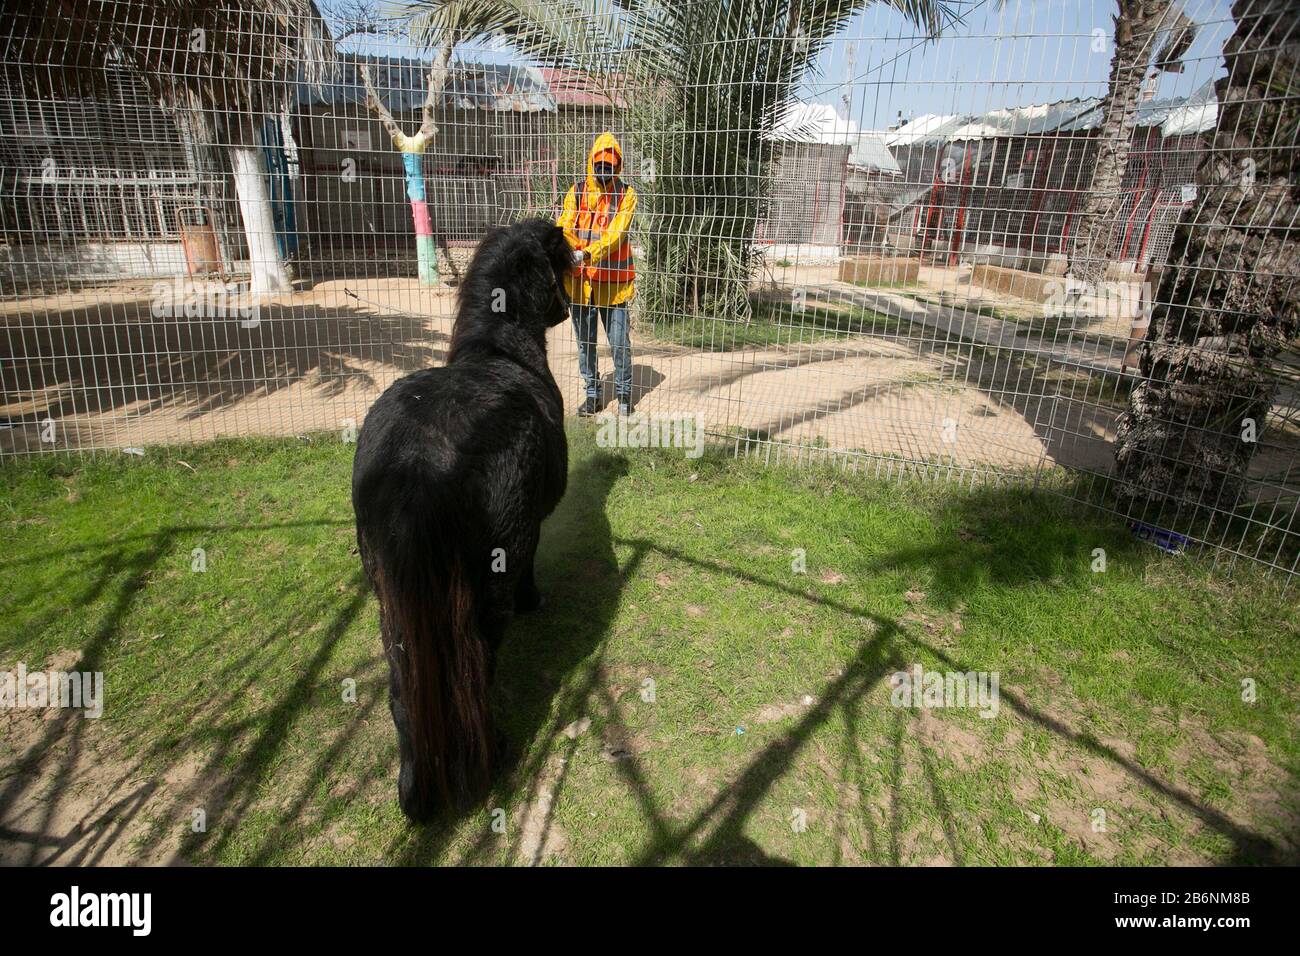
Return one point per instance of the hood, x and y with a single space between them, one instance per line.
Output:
605 141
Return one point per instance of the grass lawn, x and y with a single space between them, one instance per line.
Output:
721 706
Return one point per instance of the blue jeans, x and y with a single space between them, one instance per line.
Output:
614 318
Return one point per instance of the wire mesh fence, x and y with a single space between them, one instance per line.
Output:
1041 242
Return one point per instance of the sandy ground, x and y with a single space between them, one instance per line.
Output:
108 372
88 803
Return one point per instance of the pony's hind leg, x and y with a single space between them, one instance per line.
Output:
527 597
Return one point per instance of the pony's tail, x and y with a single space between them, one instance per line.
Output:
439 684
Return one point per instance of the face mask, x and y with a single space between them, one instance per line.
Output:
604 173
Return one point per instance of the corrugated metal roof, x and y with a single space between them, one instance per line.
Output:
870 150
1198 114
820 123
572 88
402 84
928 127
1024 120
1175 116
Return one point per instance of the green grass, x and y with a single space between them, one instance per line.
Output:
778 324
1120 690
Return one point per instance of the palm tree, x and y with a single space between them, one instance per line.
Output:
725 75
707 81
225 66
728 74
1229 300
1149 36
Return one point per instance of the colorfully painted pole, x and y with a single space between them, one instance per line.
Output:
412 148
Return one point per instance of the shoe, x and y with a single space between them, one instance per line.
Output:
625 407
589 408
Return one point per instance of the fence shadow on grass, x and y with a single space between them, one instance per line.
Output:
715 834
66 731
52 767
552 672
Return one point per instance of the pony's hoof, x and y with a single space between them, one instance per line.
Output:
417 809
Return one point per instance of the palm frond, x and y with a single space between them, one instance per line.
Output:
567 33
236 57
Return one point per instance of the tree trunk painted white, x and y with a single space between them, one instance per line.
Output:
269 273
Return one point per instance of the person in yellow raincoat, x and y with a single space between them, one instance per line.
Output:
596 219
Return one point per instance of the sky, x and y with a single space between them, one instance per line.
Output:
1017 53
1021 53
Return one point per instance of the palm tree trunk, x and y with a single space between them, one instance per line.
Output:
268 269
1135 28
1230 299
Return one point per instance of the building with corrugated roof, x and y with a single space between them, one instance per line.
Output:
1004 186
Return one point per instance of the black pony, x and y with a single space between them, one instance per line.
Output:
455 469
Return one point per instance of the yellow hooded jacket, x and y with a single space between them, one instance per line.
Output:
589 216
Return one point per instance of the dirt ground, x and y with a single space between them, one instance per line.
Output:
99 369
104 801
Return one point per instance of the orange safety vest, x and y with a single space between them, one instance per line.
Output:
591 225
